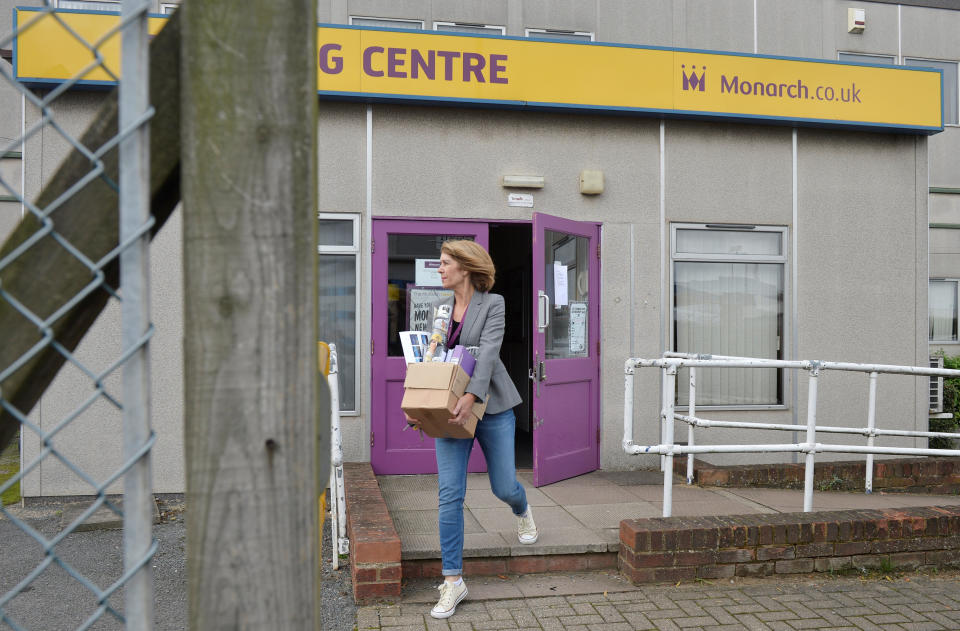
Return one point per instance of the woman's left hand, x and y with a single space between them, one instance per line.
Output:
461 412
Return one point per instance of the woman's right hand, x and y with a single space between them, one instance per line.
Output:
412 422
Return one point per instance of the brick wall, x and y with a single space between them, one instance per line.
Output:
918 475
685 548
532 564
374 542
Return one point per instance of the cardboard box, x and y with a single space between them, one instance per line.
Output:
431 391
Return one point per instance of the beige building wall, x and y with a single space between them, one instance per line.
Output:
858 271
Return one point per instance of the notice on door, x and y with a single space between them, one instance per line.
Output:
428 273
559 284
578 328
420 305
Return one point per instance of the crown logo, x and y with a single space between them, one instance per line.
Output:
694 81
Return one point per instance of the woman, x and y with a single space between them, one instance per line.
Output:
478 320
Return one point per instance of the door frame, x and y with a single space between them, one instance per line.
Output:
378 331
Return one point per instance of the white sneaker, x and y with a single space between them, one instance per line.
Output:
450 597
526 529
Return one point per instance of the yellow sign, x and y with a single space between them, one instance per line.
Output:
53 49
492 71
518 72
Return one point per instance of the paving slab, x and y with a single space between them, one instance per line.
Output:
410 500
407 483
424 522
554 540
481 544
681 491
602 492
791 500
633 478
535 585
502 519
708 506
483 588
602 516
484 498
612 537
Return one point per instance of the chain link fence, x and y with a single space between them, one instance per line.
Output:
80 245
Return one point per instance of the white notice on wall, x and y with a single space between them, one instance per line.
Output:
559 284
428 273
578 327
523 200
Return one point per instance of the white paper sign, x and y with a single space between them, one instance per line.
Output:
559 285
420 306
524 200
428 273
578 327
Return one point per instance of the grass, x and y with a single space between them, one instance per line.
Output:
10 466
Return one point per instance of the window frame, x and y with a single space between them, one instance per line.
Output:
903 62
355 251
116 2
499 30
892 58
173 6
782 259
956 292
533 32
397 20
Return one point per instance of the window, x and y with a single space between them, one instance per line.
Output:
865 58
166 8
465 27
386 22
547 33
728 292
950 93
112 6
943 310
951 89
338 272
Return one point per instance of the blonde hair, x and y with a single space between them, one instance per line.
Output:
473 259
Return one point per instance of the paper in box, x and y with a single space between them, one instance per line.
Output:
431 391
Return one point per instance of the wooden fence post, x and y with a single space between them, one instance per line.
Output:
249 184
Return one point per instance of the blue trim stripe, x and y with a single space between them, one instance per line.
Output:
406 99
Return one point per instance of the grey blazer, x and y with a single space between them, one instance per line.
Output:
483 327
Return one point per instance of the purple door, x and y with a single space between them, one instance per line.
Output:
566 334
400 279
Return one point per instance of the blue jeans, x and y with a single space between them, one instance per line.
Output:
495 435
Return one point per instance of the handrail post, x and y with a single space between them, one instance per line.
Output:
628 377
668 412
811 437
663 413
692 412
871 426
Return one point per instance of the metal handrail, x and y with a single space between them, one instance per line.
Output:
671 362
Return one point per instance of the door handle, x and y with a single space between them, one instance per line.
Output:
543 310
